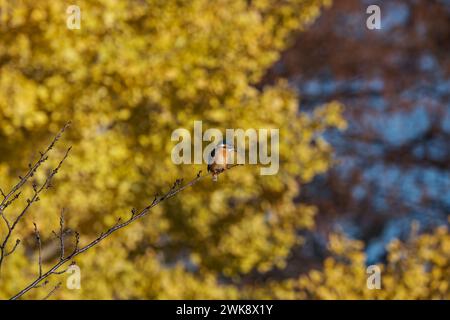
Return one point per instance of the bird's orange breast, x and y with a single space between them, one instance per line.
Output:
220 160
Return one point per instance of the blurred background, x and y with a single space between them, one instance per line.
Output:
394 158
364 119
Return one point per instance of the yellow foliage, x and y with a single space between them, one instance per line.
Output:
417 269
134 72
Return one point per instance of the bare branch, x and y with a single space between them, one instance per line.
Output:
15 192
174 190
10 200
34 198
32 169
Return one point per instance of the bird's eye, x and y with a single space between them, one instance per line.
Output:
213 152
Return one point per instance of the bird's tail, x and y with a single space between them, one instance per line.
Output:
214 177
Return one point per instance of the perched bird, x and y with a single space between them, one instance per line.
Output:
220 159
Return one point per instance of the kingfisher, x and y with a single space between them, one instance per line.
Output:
220 159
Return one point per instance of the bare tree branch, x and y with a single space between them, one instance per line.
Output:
34 198
32 168
15 192
176 188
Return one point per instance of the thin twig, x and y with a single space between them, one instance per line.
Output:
61 235
39 242
52 291
65 270
43 284
13 249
